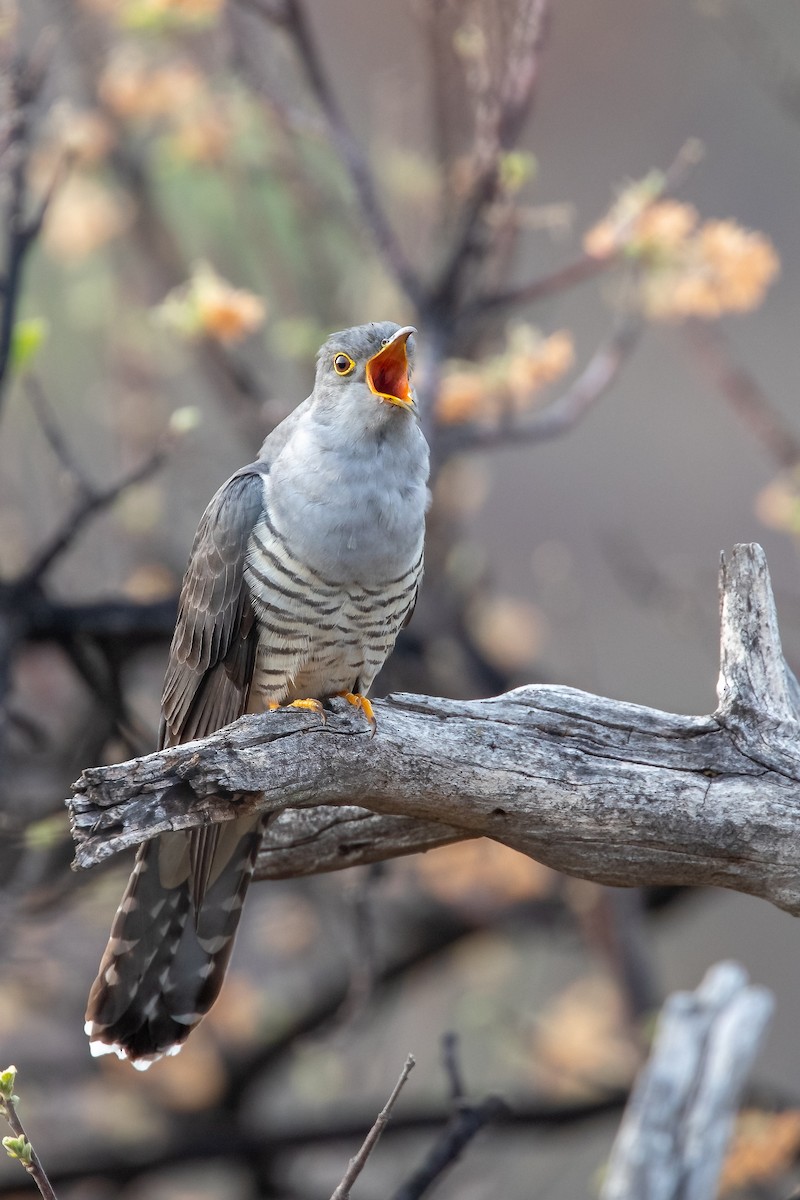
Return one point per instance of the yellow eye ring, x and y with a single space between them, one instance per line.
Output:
343 364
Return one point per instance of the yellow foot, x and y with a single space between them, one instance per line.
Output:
309 704
359 701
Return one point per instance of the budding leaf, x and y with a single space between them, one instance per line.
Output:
28 336
7 1080
19 1147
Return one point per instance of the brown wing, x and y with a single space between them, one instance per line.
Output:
213 649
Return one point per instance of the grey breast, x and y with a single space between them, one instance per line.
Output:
321 632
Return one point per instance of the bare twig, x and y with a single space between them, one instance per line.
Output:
497 130
50 428
562 415
465 1122
588 266
358 1162
741 389
580 271
21 228
90 503
291 17
19 1145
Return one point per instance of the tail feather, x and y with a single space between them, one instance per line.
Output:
168 951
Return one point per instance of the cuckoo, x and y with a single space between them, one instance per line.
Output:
304 568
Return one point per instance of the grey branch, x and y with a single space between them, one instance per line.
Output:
603 790
358 1162
679 1119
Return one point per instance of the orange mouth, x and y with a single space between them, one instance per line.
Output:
387 371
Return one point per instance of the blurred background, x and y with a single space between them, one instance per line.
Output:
589 212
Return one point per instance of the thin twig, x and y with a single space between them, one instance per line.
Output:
495 133
358 1162
739 387
465 1122
558 418
292 18
236 384
588 266
19 1146
21 230
580 271
53 434
91 503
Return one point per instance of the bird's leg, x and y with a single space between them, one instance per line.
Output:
359 701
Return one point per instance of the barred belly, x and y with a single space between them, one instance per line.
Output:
318 636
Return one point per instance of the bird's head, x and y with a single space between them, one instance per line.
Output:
367 370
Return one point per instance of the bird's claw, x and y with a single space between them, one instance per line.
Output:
309 704
359 701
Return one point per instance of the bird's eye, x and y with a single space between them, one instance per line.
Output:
343 364
385 341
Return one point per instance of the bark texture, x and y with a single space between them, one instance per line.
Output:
679 1119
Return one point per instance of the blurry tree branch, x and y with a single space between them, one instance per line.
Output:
580 270
290 15
21 222
711 349
679 1118
27 611
558 417
613 792
466 1121
91 501
502 106
587 266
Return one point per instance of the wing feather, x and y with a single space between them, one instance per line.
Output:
213 649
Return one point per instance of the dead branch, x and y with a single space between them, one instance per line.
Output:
679 1118
613 792
359 1160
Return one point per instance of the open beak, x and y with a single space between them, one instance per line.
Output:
387 371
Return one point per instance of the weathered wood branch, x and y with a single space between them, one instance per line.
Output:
679 1119
613 792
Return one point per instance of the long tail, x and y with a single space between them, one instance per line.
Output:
169 947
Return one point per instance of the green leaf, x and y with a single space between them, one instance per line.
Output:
28 336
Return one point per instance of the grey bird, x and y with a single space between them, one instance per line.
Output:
304 568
